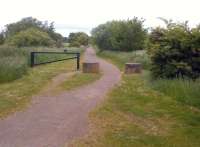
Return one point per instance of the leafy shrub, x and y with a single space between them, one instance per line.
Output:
120 35
30 37
78 39
175 51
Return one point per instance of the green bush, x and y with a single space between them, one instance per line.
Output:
30 37
78 39
120 35
175 51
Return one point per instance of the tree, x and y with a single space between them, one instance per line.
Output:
2 38
31 37
25 23
29 22
58 38
78 39
120 35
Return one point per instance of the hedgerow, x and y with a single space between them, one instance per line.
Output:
175 51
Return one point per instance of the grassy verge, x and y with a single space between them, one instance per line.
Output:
184 91
144 113
79 79
134 115
120 58
15 62
17 94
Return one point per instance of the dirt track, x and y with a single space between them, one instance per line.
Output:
52 121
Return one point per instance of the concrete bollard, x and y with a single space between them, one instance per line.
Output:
133 68
90 67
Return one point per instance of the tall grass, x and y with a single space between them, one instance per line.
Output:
185 91
120 58
14 62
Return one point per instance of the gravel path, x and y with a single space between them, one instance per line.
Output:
52 121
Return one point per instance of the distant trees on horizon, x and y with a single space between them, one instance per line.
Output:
29 31
78 39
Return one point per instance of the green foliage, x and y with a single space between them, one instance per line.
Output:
175 51
16 95
120 58
134 115
120 35
25 24
185 91
55 36
2 38
78 39
13 63
30 37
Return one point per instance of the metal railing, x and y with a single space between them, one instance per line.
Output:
76 56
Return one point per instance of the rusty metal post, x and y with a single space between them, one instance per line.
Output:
78 61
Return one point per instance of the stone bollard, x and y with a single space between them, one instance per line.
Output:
133 68
90 67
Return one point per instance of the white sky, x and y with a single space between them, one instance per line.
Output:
82 15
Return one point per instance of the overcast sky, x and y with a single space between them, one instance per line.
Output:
82 15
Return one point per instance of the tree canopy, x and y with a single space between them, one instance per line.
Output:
123 35
78 39
30 37
32 23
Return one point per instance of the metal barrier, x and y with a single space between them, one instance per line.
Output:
76 56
